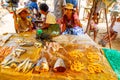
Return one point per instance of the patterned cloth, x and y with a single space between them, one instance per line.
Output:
74 31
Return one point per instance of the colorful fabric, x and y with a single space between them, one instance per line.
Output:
32 5
74 31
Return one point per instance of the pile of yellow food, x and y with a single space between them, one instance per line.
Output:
88 63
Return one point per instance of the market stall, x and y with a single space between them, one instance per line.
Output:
66 57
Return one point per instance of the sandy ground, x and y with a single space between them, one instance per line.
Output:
102 31
7 25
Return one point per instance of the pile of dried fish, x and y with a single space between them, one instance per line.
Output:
9 61
25 66
18 52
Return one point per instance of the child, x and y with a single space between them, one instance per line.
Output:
22 23
49 24
93 25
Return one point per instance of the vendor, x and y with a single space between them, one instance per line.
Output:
49 17
21 22
49 24
70 22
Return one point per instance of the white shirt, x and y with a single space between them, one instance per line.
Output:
116 27
50 18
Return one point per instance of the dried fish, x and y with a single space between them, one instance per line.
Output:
18 51
26 44
59 65
42 65
26 65
20 66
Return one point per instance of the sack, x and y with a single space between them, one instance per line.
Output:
53 30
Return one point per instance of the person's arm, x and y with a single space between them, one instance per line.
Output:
62 25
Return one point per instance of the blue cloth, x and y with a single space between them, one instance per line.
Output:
74 2
32 5
74 31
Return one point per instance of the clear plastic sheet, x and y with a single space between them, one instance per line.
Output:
78 51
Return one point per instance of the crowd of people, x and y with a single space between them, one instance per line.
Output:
65 15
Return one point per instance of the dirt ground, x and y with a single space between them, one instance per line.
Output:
7 25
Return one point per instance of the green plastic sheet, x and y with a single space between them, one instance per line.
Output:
113 57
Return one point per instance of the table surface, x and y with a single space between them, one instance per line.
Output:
11 74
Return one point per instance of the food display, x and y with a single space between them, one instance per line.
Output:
57 60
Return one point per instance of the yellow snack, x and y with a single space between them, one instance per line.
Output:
76 53
77 66
92 57
94 67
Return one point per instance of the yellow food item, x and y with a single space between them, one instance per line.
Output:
95 68
92 56
76 54
77 66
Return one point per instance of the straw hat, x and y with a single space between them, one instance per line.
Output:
22 9
69 6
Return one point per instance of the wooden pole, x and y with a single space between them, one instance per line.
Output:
90 17
108 30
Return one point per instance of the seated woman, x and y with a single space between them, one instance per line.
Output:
49 24
21 22
115 27
70 23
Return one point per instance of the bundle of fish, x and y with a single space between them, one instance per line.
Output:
42 65
25 66
26 44
9 62
18 52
